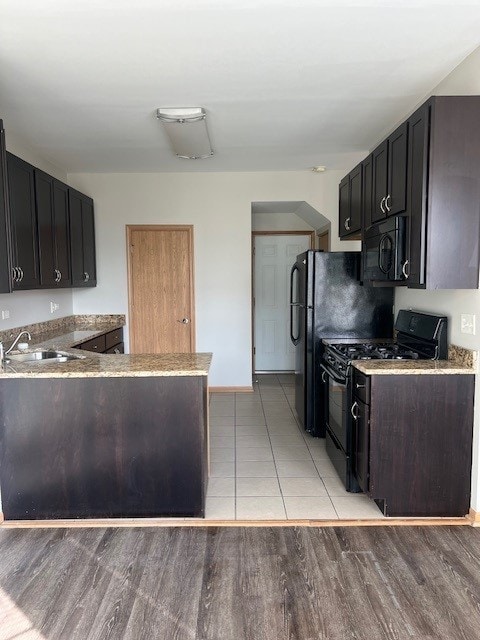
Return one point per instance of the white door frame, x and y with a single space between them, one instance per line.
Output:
270 233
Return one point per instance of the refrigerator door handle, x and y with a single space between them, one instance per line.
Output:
295 339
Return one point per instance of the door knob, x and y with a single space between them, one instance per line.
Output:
184 320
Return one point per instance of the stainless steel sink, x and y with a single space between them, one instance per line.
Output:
41 356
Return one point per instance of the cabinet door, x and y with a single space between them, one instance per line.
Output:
367 194
361 439
344 207
82 239
62 233
5 265
46 239
417 204
23 221
379 188
355 222
396 201
89 261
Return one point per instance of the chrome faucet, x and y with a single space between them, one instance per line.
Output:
4 352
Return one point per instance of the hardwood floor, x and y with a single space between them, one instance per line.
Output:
364 583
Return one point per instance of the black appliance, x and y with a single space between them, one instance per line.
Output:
419 336
384 251
327 300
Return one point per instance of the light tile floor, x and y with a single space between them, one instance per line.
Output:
264 467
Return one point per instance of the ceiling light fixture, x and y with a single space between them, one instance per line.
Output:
187 129
319 169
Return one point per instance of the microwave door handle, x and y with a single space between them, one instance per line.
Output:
380 253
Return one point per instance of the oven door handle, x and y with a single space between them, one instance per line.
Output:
333 376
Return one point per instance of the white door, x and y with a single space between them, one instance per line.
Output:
274 257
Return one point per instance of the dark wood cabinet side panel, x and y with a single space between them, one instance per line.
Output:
343 205
5 255
367 195
76 237
421 443
417 193
45 217
62 233
379 189
355 222
454 194
102 447
397 170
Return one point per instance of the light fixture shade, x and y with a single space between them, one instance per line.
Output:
186 128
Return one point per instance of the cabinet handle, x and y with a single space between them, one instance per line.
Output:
86 277
389 197
59 275
15 274
353 412
359 386
382 202
404 270
117 351
323 377
346 224
21 274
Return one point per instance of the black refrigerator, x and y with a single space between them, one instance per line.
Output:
327 300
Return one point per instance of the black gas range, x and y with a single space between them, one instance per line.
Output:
418 336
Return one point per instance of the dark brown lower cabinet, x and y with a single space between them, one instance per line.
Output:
413 442
103 447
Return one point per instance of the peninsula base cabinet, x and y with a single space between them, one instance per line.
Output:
103 447
413 442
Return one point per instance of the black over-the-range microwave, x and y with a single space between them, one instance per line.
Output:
385 250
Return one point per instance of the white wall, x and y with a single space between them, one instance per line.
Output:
464 80
27 307
219 207
279 222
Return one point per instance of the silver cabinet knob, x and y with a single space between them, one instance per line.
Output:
86 277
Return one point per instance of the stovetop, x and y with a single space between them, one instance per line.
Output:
373 351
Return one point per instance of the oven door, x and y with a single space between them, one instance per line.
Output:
338 404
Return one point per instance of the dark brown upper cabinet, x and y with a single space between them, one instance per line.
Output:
389 175
23 224
444 193
5 266
53 231
350 205
367 191
82 239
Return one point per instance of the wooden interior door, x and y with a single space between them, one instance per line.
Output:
160 288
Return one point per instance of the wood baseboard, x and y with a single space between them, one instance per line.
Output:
199 522
474 517
230 389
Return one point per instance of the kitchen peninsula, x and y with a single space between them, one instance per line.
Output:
103 435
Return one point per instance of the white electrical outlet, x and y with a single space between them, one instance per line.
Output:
54 307
467 323
5 314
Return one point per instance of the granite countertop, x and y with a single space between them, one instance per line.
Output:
460 361
98 365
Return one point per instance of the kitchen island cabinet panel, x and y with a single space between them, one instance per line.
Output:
103 447
420 449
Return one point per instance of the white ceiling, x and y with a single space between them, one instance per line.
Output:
287 84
